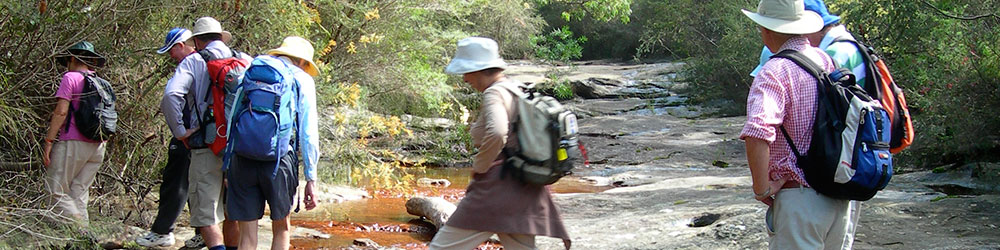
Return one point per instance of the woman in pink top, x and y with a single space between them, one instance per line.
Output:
71 160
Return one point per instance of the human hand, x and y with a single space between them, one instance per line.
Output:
188 133
767 195
308 196
46 153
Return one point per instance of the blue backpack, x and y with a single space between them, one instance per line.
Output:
263 117
848 156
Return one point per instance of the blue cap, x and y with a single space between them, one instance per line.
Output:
820 8
176 35
765 54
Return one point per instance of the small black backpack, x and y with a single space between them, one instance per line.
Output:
95 116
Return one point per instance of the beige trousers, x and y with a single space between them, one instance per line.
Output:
804 219
74 164
205 188
453 238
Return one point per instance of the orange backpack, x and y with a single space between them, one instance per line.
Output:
882 87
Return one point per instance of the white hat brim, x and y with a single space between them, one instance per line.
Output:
226 36
809 23
180 39
462 66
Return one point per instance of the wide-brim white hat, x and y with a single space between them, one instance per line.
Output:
208 25
297 47
475 54
786 16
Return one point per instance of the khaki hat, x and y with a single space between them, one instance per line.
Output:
786 16
297 47
475 54
208 25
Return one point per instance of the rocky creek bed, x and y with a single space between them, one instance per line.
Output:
667 175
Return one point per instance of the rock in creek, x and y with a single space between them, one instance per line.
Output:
598 87
704 220
436 209
365 242
428 182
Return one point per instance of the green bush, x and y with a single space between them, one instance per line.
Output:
720 49
559 45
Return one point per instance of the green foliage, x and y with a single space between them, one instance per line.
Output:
559 45
511 23
720 49
563 91
556 86
603 10
947 65
606 39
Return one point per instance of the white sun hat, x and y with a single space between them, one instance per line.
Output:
786 16
208 25
475 54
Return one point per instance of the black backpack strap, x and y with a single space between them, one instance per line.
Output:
810 67
868 57
71 114
804 62
206 55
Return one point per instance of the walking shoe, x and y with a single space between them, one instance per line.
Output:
156 240
195 242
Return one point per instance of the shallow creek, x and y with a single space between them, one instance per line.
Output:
383 217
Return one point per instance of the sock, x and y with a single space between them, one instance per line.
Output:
219 247
231 248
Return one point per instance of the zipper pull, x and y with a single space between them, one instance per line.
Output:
864 147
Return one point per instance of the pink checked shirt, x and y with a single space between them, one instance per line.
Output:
784 94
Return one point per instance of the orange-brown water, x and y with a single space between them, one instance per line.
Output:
384 220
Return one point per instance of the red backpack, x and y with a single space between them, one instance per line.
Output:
224 74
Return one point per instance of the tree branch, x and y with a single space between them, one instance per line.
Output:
17 166
970 18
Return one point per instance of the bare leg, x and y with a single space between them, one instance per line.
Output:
212 235
281 234
248 234
230 233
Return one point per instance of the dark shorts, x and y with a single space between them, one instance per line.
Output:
251 184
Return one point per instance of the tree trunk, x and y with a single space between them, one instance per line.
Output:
435 209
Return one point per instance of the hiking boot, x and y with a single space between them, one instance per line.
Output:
195 242
156 240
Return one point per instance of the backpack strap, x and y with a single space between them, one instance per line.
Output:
810 67
87 79
868 57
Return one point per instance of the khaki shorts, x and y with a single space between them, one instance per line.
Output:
205 188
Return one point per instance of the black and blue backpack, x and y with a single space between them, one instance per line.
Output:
848 156
96 117
263 118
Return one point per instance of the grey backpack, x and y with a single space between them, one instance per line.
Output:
546 135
